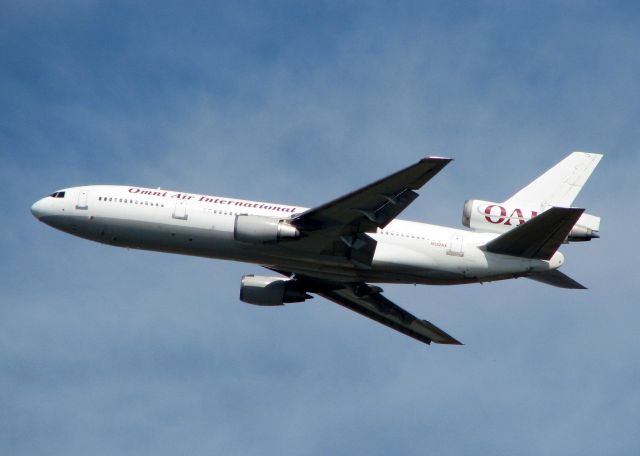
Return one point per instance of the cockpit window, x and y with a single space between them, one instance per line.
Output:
57 195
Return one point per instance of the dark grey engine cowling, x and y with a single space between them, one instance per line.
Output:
260 229
270 291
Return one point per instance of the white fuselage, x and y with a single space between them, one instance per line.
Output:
201 225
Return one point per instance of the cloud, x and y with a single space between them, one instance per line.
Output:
108 350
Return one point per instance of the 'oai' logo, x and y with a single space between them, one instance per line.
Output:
496 214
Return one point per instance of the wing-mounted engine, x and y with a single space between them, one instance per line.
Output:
259 229
271 291
490 217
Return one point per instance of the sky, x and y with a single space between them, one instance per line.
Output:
107 351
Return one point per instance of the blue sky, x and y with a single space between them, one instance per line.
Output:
106 351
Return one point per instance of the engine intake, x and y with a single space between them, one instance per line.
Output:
260 229
270 291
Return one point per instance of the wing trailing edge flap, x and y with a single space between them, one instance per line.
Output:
538 238
369 301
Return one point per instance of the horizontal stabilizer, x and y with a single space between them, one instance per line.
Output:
557 279
538 238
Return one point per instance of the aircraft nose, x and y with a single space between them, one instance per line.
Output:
37 209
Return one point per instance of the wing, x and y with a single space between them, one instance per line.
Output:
374 205
370 302
339 226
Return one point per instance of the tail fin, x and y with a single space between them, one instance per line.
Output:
560 185
538 238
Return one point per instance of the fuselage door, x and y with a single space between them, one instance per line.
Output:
82 200
180 210
455 247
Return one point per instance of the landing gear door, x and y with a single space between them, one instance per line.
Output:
180 210
82 200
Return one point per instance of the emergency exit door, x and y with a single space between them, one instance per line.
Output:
180 210
455 245
82 200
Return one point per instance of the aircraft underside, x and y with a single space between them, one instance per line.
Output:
168 238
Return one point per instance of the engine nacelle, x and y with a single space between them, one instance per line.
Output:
270 291
492 217
260 229
581 233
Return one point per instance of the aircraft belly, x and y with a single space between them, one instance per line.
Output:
392 263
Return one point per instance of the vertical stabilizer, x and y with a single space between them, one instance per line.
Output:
560 185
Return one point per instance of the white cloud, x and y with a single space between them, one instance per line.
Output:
141 352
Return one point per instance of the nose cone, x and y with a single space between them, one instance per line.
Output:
38 209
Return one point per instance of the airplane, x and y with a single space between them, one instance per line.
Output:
340 249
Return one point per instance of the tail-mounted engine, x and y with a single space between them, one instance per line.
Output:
270 291
492 217
259 229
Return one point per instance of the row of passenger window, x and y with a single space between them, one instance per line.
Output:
128 201
216 211
411 236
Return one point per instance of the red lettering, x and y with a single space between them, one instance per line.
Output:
519 215
489 216
183 196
